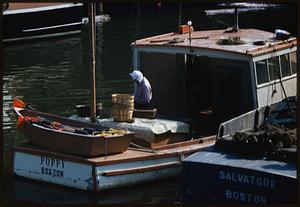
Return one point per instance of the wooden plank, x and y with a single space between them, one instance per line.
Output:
141 169
281 45
180 37
127 156
187 143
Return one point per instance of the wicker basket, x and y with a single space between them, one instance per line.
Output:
122 107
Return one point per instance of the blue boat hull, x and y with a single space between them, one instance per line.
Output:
215 177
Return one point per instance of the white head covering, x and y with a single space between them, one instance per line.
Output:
136 75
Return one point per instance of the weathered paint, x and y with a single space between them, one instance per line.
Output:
84 176
207 39
89 173
273 54
108 182
231 178
52 170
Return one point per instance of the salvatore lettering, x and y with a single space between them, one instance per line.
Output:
247 179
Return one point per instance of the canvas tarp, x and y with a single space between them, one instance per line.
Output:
142 127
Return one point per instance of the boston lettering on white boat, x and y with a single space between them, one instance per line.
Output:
52 167
53 170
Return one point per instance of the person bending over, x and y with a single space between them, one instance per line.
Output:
143 90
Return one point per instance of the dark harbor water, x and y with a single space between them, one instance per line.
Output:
52 76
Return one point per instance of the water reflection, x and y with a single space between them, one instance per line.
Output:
165 191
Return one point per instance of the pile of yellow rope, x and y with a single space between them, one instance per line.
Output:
110 132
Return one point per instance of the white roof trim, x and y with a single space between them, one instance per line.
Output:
38 9
196 51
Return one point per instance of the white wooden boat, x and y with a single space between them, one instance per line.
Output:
107 172
213 76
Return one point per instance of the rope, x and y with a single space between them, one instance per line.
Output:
268 139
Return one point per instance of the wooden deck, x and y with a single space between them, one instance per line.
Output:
131 154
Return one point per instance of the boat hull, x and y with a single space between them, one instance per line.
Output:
100 173
76 144
229 178
57 20
87 177
63 141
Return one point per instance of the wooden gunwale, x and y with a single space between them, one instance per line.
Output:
181 37
281 42
74 123
153 37
186 143
272 48
141 169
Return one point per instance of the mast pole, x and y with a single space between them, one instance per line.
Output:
92 40
180 13
236 25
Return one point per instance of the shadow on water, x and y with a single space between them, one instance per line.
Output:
165 191
52 75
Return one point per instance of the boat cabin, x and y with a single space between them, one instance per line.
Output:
211 76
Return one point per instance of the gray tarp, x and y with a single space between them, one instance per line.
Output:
142 127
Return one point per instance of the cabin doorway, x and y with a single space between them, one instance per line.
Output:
199 94
229 93
234 92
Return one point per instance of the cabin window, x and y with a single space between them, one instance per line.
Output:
285 65
262 72
274 68
293 57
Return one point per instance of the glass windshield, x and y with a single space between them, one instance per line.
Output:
262 72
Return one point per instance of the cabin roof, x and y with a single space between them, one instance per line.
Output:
208 40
